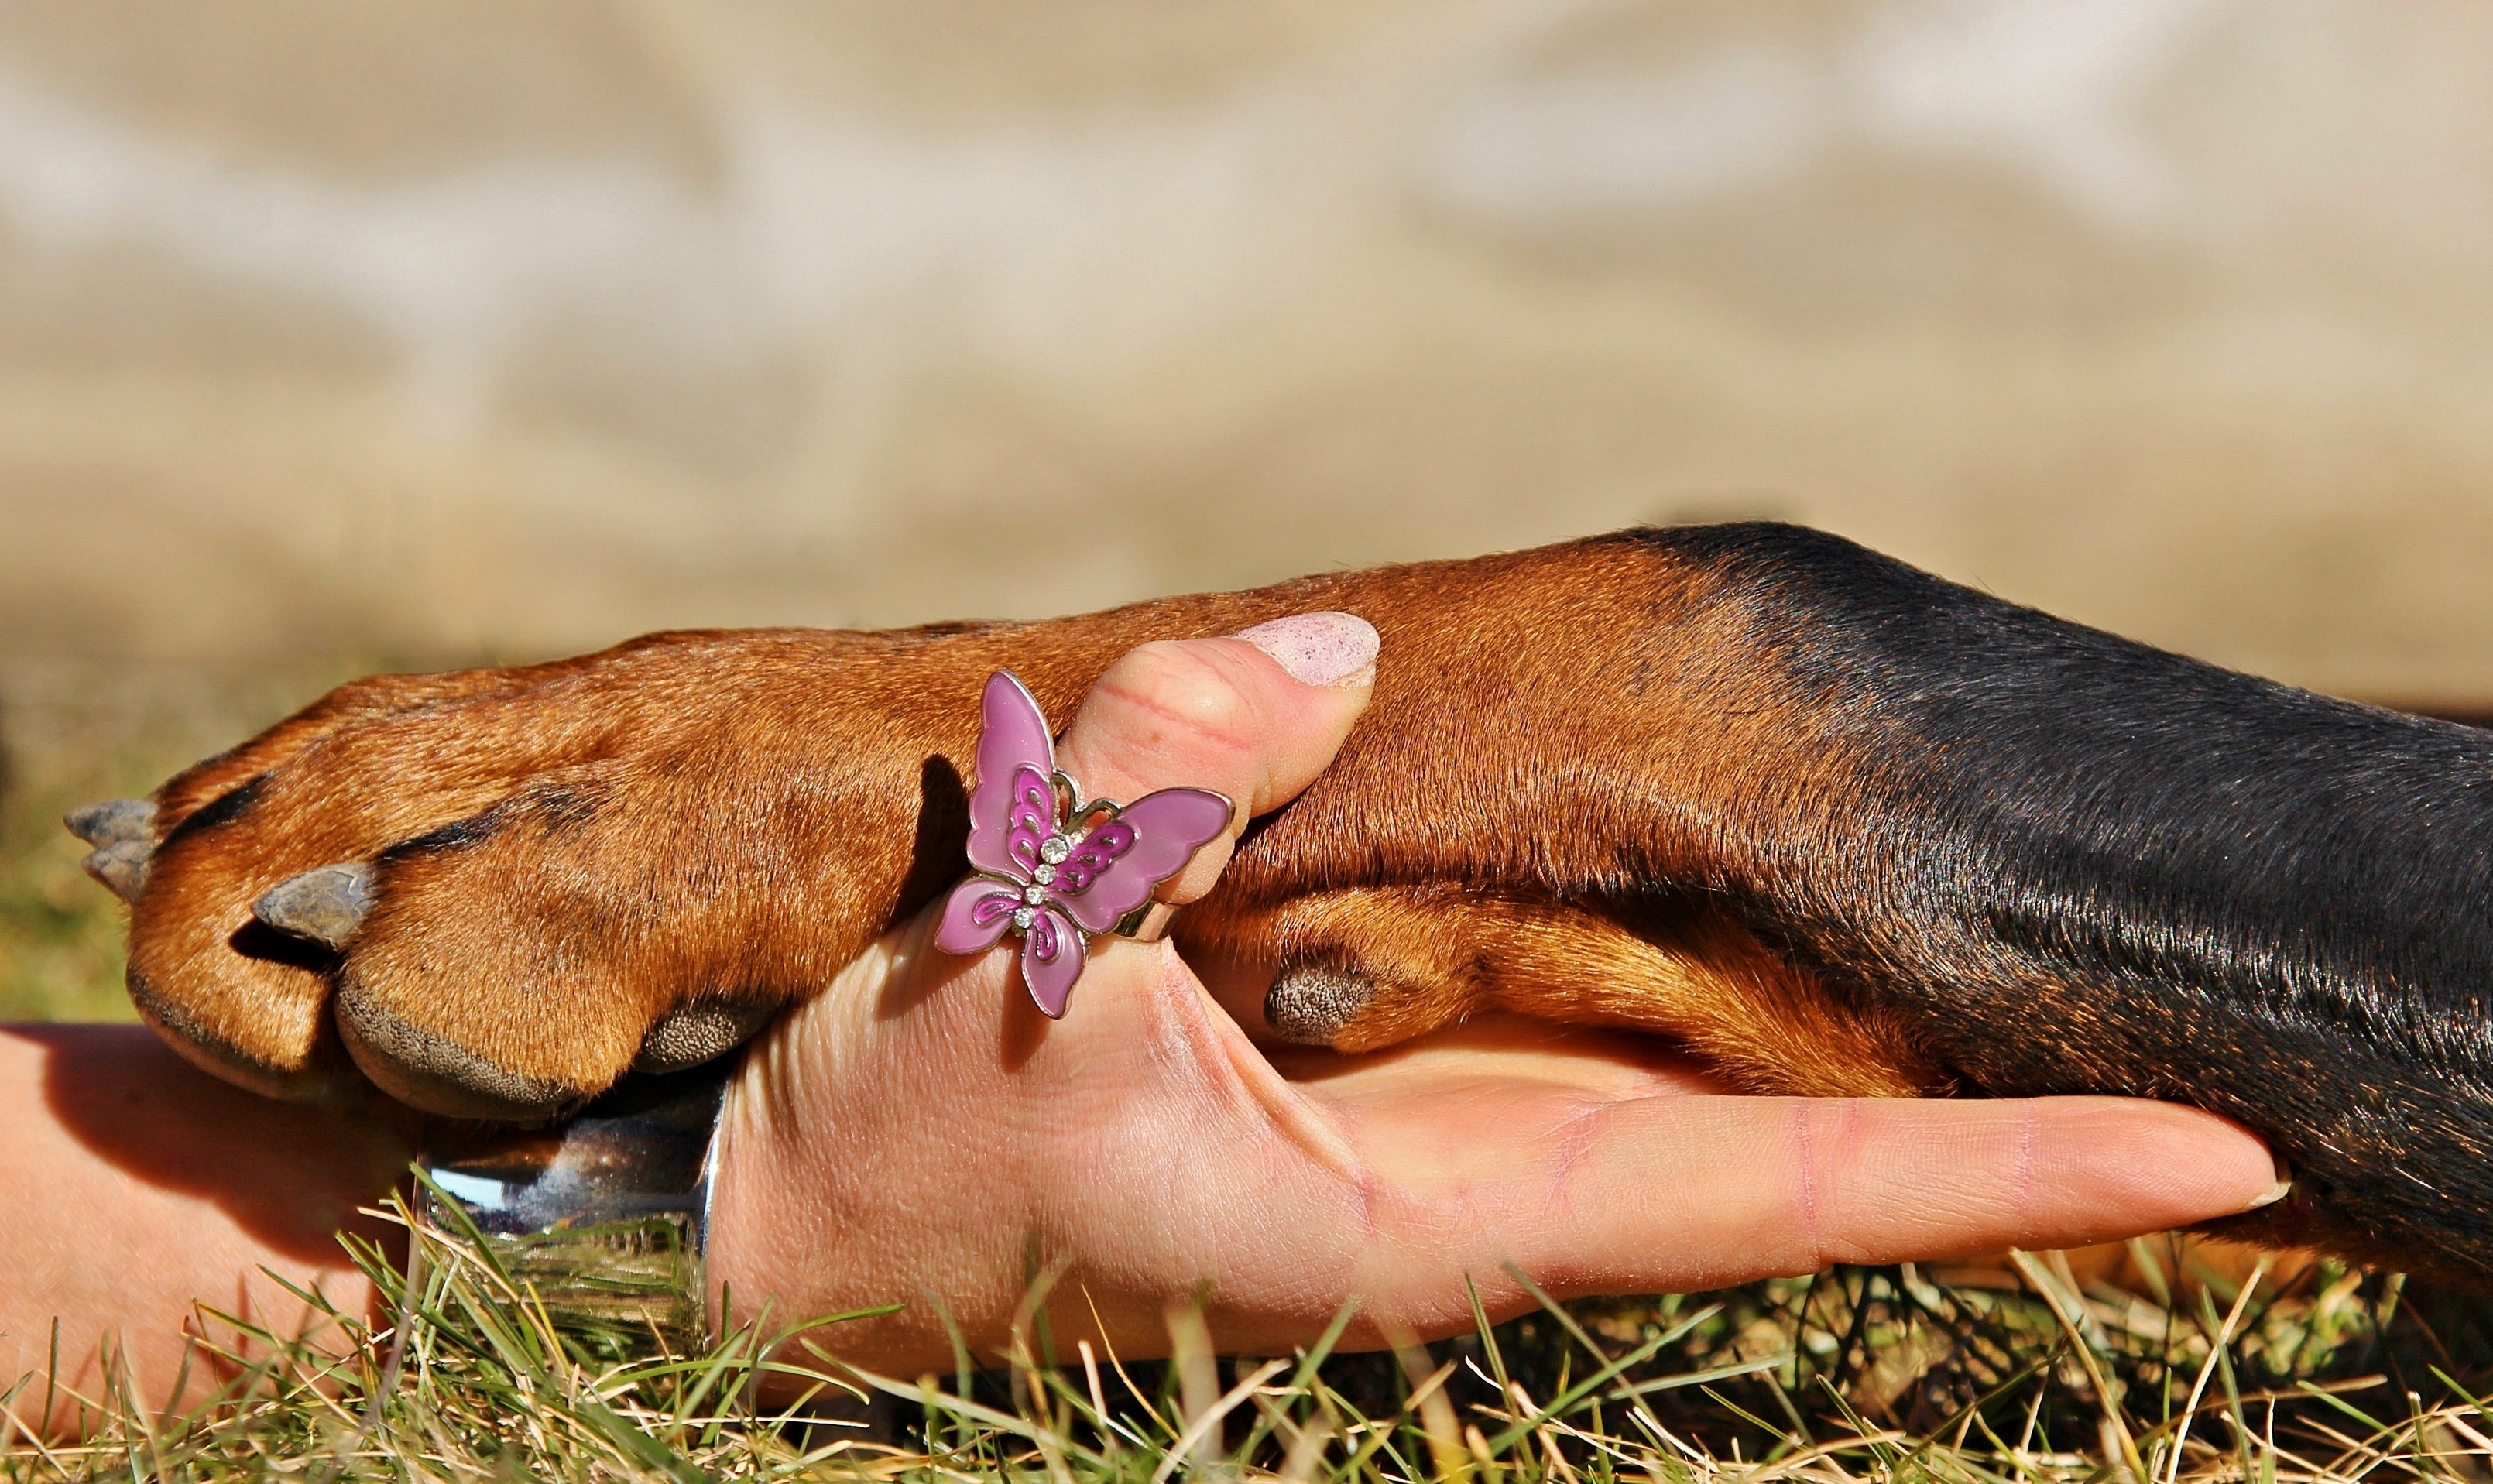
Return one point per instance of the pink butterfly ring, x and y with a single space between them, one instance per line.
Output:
1053 868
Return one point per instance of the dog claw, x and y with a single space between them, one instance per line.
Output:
122 868
325 905
113 822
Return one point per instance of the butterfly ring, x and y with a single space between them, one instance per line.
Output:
1055 869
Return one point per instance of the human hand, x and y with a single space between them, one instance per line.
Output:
918 1132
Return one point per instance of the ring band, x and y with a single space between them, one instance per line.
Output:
1145 924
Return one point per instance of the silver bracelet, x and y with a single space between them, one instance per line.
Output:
605 1215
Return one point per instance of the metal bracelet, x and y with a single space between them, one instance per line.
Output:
605 1215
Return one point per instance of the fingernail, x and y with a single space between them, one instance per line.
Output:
2275 1193
1319 648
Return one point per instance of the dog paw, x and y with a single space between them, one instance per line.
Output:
494 893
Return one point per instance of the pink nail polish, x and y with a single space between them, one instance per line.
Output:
1319 648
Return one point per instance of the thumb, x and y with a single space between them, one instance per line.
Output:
1256 717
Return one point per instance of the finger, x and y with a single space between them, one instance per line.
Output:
1255 717
1791 1185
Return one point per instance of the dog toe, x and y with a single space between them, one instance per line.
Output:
257 1024
470 989
426 1069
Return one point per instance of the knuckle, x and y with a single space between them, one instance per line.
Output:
1826 1136
1182 689
1805 1193
2023 1183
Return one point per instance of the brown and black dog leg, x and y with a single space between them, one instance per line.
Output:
1358 971
1799 806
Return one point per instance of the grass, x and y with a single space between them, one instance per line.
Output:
60 933
2027 1374
2156 1363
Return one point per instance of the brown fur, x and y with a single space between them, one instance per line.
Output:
1438 954
569 852
1834 825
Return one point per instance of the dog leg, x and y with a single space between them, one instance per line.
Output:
1365 969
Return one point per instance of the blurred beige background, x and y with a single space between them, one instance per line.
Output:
338 336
